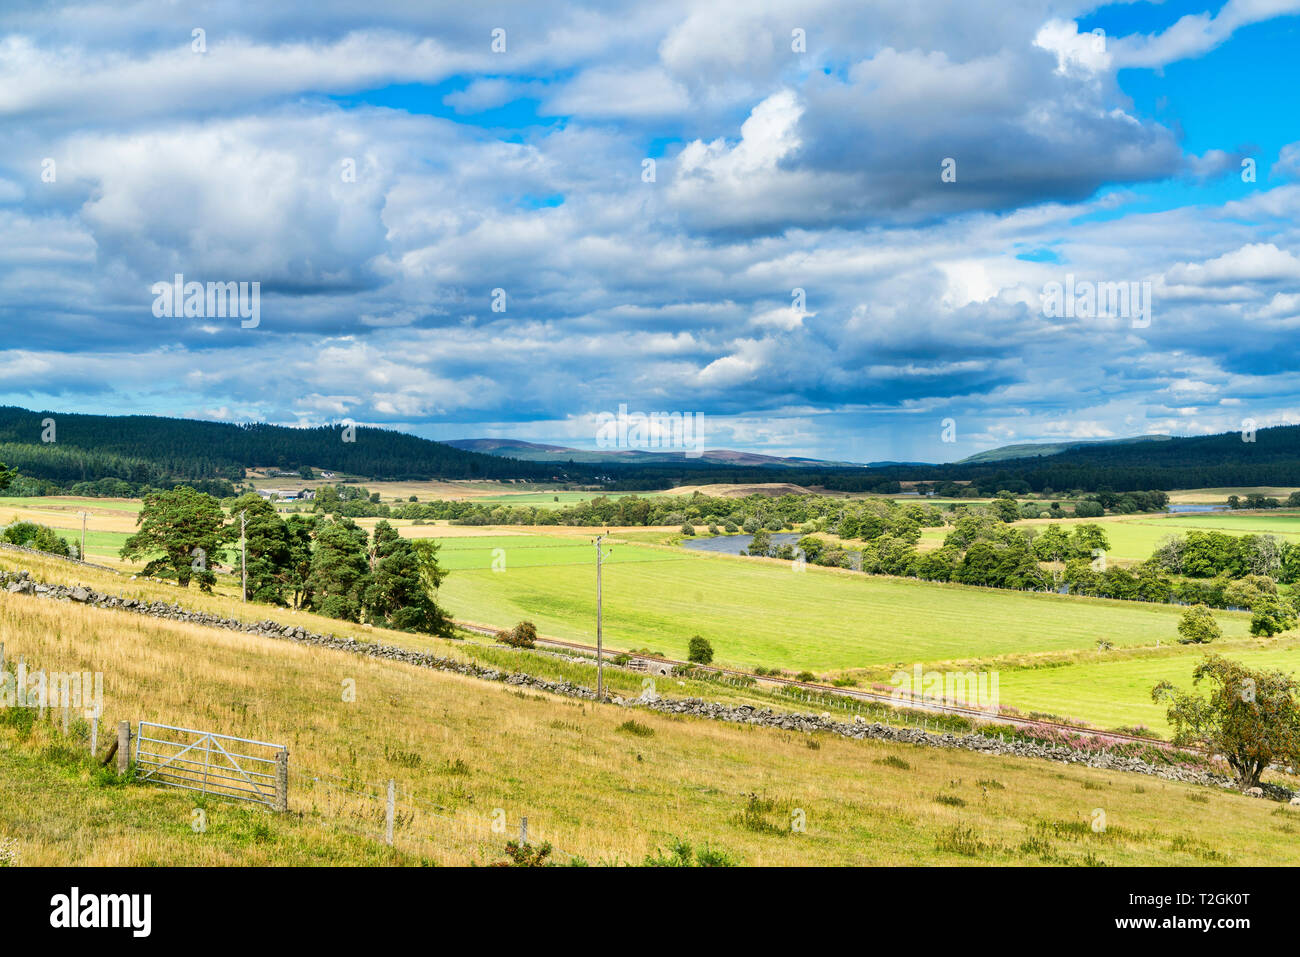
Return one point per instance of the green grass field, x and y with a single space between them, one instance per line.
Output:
1134 538
508 552
758 612
1117 692
763 613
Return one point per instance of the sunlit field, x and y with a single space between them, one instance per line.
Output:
598 788
762 612
1115 690
1133 538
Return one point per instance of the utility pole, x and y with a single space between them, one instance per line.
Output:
82 556
600 657
243 558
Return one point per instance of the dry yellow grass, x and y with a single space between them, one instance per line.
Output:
464 748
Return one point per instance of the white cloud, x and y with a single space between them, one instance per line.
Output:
1255 262
1196 33
1074 50
608 92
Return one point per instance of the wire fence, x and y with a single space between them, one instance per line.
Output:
394 815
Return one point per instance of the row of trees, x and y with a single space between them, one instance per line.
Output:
1201 554
330 566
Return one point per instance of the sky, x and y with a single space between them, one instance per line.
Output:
847 230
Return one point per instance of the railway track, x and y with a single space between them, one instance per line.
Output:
912 702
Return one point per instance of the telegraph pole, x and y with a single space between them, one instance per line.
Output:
600 657
82 556
243 559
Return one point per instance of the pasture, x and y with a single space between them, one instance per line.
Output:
1114 691
459 749
762 612
109 522
1133 538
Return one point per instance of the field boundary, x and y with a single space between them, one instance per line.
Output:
76 561
858 728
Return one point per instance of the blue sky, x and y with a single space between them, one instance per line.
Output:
382 174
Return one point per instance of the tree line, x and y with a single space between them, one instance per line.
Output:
1211 569
330 566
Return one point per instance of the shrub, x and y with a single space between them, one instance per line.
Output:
1197 626
526 855
1271 616
39 537
699 651
338 606
522 635
753 816
688 529
680 855
805 676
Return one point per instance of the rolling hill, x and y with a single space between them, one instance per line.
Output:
1034 449
535 452
154 449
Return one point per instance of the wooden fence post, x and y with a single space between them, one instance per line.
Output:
282 780
94 734
389 811
523 831
123 746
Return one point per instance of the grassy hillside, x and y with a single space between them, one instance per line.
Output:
461 750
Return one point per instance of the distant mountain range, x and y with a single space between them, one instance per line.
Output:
68 449
539 452
536 452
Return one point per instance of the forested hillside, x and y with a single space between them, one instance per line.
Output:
154 450
1267 457
158 452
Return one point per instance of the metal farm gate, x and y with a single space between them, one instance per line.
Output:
216 764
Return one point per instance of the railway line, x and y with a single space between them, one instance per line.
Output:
912 702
